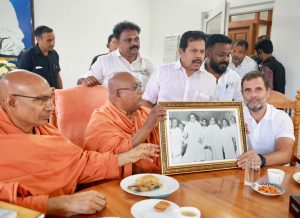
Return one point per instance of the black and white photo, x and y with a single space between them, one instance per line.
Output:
202 136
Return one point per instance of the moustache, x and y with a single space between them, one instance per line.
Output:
134 46
225 63
197 61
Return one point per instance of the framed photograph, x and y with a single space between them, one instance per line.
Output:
201 136
16 28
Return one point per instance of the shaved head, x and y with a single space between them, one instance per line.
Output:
26 99
19 81
119 80
125 92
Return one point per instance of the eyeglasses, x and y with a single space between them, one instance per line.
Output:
138 88
42 99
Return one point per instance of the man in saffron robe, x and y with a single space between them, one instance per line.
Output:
39 168
123 123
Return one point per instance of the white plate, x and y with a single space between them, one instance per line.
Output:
256 185
169 185
145 209
296 177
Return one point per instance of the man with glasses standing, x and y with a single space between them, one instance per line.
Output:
125 59
124 123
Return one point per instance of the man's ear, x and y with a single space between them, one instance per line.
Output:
118 94
207 53
118 42
11 101
268 92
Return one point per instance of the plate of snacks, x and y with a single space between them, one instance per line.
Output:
296 177
150 185
155 208
268 189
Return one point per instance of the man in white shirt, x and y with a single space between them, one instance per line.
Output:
240 62
125 59
218 48
182 80
271 136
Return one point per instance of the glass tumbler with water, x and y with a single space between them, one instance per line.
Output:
252 171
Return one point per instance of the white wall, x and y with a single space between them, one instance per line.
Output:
175 17
82 28
285 37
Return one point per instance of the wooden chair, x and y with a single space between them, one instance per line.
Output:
292 108
73 109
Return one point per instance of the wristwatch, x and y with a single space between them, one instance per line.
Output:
263 160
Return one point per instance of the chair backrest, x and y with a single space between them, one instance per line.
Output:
74 107
292 108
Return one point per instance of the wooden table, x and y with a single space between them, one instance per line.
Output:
217 194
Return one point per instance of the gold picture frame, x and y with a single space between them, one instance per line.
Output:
201 147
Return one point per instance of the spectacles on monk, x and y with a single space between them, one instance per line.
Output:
138 88
42 99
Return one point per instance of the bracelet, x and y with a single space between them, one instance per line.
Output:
263 160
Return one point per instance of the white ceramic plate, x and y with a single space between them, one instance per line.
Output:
169 185
296 177
256 185
145 209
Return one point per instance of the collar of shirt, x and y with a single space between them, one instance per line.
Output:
118 54
37 50
267 116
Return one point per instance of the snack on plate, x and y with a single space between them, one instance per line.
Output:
161 206
269 189
298 180
145 183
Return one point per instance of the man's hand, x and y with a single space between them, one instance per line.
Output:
90 81
143 151
251 154
158 113
88 202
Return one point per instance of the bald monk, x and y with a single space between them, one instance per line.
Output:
39 168
123 123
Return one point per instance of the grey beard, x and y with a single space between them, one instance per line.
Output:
256 108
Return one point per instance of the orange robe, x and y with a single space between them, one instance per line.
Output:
36 167
110 129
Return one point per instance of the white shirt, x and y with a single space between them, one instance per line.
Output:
107 65
247 65
275 124
229 87
171 83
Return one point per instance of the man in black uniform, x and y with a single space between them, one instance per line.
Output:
272 69
42 59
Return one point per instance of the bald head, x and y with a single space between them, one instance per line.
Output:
125 92
26 99
20 82
120 80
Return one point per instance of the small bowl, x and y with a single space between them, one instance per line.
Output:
189 212
296 177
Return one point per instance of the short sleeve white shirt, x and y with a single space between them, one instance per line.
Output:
171 83
247 65
263 135
107 65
